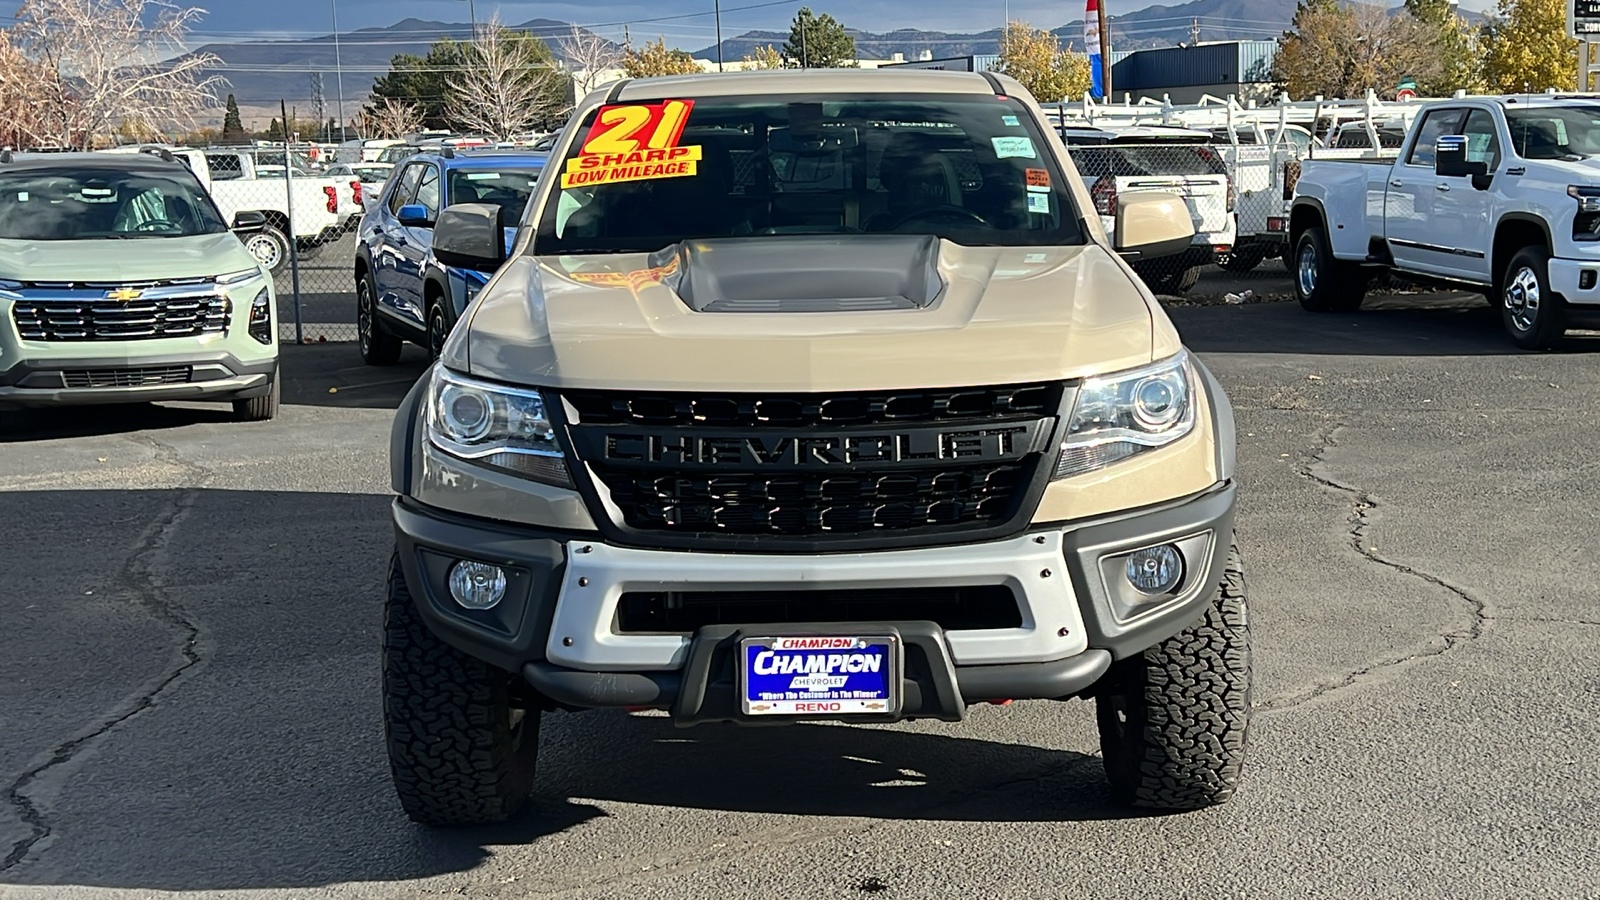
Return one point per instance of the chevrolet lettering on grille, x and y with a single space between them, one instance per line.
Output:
746 451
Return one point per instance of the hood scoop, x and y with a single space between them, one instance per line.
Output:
809 274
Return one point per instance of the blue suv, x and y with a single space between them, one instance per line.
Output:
402 292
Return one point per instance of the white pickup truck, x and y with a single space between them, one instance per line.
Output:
1497 194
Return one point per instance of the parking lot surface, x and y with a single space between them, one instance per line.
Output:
189 659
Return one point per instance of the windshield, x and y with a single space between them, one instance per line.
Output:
974 171
1555 132
506 188
69 205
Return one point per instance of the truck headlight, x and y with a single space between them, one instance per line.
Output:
1119 415
494 425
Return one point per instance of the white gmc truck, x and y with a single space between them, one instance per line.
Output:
1497 194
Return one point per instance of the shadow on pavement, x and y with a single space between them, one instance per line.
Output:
261 764
1406 325
333 375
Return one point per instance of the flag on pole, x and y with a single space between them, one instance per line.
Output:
1091 45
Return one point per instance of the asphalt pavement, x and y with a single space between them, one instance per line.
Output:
189 659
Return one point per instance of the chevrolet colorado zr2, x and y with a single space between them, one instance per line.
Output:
812 396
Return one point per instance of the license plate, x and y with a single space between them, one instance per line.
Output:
817 675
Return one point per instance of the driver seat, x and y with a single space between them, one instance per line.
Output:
916 175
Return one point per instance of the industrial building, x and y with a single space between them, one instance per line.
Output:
1184 73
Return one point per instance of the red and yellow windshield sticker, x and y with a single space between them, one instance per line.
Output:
634 143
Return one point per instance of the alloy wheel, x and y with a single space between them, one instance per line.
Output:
1522 298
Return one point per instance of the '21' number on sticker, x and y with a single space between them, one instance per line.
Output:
630 129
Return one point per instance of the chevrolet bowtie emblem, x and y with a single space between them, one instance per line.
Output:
124 294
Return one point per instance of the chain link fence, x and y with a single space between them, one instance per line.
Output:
311 206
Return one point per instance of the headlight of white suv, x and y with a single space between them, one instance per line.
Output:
1125 413
494 425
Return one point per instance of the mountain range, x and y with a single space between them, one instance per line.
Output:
263 72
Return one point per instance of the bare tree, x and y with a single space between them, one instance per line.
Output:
508 85
589 57
22 87
390 118
115 64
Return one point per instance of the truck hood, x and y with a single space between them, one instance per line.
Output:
135 259
735 314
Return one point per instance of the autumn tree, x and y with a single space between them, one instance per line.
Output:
507 84
1456 44
422 82
1036 59
1343 50
655 59
589 57
103 67
766 57
819 42
1528 48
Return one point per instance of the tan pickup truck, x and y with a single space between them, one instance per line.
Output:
812 396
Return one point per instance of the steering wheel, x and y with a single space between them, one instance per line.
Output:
156 225
947 212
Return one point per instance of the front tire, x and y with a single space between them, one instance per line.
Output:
1173 720
438 329
377 348
1323 283
1533 315
259 409
460 752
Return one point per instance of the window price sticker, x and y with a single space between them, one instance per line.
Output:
634 143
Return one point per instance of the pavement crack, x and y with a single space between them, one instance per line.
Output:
1313 468
137 581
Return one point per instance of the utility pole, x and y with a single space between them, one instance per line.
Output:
804 62
717 4
1194 30
1105 49
338 66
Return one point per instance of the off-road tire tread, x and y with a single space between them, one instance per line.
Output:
453 755
1196 689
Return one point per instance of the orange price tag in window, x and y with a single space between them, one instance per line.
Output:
634 143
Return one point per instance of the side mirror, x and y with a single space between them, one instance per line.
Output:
414 215
1150 225
471 236
249 220
1450 161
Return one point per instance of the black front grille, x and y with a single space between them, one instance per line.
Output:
133 377
811 503
118 320
828 467
952 608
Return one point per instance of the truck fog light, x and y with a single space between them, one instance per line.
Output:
1155 570
477 585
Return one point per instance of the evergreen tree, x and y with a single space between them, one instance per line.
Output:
422 81
819 42
232 125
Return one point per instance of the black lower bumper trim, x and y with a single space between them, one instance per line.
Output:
1054 680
